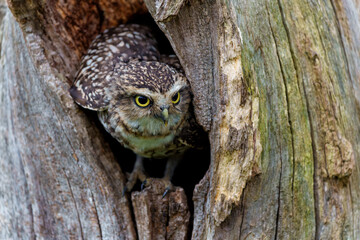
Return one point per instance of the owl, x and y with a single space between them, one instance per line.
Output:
142 97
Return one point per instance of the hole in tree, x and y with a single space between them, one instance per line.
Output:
195 163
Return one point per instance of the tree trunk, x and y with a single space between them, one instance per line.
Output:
276 85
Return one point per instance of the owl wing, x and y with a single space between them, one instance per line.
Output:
112 49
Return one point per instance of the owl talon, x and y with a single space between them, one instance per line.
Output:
143 184
168 186
166 192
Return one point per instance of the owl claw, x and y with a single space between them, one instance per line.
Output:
166 192
168 186
143 184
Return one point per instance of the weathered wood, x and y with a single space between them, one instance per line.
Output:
58 177
276 84
68 27
289 70
205 38
161 218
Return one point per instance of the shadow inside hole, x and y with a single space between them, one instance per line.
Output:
163 43
195 163
190 170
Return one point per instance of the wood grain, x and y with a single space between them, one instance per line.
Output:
281 76
276 85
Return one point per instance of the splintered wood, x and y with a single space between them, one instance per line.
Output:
159 217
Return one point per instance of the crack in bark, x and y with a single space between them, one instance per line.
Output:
338 26
288 112
27 195
291 129
279 199
352 208
243 210
26 186
132 214
315 184
13 129
97 215
315 160
76 208
327 72
210 89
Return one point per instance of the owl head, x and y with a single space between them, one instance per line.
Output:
151 98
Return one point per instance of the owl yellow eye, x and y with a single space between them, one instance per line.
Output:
176 98
142 101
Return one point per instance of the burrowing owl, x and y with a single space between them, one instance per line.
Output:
142 97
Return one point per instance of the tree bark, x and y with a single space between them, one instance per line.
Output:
59 179
276 85
281 78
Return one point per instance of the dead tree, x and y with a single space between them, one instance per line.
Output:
276 86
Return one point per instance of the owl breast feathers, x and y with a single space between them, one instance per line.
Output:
142 97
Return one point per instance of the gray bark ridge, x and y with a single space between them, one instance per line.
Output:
58 177
208 42
293 67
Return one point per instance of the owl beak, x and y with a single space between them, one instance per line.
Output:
165 116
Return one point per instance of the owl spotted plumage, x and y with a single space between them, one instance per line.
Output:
142 97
